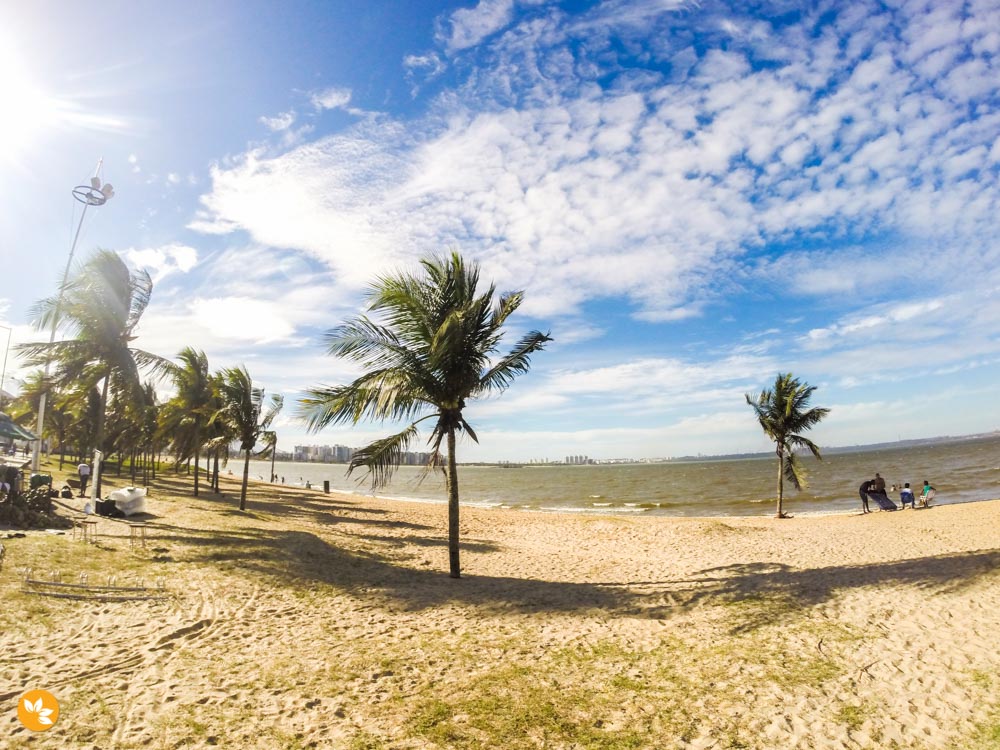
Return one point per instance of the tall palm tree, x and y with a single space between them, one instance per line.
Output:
783 414
101 306
433 352
218 433
185 417
243 410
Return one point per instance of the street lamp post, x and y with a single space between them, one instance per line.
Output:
89 195
3 372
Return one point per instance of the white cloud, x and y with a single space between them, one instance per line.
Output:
162 261
469 26
331 98
429 65
280 122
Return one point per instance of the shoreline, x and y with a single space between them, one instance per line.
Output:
614 511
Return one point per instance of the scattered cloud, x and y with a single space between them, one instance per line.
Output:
331 98
467 27
163 261
280 122
654 188
663 159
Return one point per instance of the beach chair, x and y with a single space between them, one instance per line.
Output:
925 500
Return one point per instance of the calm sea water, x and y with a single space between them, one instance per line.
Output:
962 471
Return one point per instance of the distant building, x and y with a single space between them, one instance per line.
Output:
341 454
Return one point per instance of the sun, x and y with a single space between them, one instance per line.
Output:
26 108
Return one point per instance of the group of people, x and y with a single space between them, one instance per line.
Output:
875 489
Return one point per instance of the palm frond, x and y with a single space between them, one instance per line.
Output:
383 456
516 362
795 473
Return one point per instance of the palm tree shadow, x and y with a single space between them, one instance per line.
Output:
756 592
297 557
761 592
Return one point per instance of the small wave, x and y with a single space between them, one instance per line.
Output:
601 505
567 509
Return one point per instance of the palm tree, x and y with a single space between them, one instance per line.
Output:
61 417
242 411
186 415
783 413
101 305
433 352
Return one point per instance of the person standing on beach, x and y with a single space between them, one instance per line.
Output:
863 491
84 471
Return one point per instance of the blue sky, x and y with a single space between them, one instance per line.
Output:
693 196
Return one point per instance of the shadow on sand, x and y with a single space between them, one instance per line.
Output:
297 557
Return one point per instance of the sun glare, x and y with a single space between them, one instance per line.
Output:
25 108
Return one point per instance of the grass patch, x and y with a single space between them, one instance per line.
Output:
514 708
851 717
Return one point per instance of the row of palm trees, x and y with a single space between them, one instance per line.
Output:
99 399
429 348
431 351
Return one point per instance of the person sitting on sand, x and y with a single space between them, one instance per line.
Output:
879 483
927 495
906 496
863 491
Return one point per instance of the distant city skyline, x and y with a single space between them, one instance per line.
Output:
693 197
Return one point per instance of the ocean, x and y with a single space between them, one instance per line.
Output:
962 471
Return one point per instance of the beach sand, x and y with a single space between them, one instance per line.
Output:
329 621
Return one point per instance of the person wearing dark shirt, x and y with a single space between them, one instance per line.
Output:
879 483
863 491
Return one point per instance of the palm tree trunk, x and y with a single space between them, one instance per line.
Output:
781 482
456 571
246 478
197 456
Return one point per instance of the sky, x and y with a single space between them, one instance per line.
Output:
693 196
